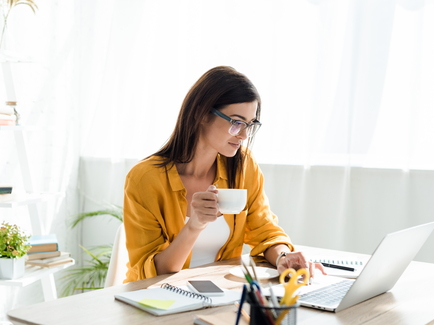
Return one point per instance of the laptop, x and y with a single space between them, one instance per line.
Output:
381 272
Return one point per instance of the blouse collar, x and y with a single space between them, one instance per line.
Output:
221 179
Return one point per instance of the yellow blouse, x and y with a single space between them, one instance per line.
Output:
155 207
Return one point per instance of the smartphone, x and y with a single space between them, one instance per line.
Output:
205 287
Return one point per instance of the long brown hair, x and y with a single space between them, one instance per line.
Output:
217 88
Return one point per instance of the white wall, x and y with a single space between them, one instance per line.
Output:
349 209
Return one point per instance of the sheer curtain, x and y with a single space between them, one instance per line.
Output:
45 89
342 82
346 86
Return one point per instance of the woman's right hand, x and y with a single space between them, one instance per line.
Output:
204 208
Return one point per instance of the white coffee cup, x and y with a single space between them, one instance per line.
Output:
231 200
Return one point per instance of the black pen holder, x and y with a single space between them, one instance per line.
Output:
264 315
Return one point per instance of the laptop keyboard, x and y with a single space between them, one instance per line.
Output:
328 295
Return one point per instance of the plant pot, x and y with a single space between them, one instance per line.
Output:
12 268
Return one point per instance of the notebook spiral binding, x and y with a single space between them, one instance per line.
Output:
190 294
336 261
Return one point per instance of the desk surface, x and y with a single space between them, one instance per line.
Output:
411 301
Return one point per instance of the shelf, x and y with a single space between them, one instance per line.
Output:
26 198
17 128
33 274
13 57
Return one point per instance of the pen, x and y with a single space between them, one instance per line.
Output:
240 307
261 302
340 267
273 296
273 300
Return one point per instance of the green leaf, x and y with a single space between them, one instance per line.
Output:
13 241
112 210
92 275
94 271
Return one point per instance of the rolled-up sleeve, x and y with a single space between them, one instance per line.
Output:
152 218
144 236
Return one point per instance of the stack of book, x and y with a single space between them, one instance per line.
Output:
7 114
45 252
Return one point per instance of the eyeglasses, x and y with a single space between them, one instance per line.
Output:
238 126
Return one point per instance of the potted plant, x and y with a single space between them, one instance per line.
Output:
13 248
92 274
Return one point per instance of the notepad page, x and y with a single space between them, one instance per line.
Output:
228 298
163 301
357 264
151 297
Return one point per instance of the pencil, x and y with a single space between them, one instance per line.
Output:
243 312
246 268
252 262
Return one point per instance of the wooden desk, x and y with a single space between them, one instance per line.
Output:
411 301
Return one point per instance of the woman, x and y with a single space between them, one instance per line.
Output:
171 213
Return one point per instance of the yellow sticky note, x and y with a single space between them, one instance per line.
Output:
159 304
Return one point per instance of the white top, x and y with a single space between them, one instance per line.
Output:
209 242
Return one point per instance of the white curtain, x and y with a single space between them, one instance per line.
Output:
343 82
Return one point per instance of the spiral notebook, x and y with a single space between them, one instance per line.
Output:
356 264
170 299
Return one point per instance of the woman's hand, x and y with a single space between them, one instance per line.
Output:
297 260
204 208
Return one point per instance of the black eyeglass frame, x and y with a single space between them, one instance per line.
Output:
257 124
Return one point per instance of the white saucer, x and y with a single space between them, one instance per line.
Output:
262 272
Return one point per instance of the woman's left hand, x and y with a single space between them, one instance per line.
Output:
297 260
